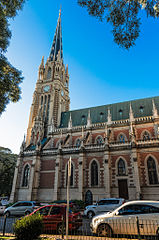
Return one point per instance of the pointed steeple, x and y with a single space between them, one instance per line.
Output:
57 42
109 118
131 115
70 122
154 109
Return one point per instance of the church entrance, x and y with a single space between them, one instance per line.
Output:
123 188
88 198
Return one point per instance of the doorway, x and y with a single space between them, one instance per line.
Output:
123 188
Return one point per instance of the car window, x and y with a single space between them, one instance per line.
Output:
55 210
27 204
108 201
101 202
43 211
17 205
138 209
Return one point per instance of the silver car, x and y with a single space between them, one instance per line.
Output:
103 205
135 218
21 208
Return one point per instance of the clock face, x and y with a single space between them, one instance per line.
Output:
62 92
46 88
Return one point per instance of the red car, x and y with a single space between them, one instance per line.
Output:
54 218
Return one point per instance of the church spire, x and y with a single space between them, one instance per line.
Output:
57 42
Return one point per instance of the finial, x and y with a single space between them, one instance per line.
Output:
89 119
60 10
131 115
154 109
70 122
109 118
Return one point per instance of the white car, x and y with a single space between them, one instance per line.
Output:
104 205
135 218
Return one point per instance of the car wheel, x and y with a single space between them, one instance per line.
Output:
104 230
90 214
27 212
61 229
7 214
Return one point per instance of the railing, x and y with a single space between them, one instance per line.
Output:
126 228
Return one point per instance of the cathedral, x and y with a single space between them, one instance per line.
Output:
114 148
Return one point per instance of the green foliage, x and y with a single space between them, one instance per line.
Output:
79 203
10 77
28 227
7 166
123 15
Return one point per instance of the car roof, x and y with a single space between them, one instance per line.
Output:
112 199
138 202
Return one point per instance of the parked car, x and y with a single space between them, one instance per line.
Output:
21 208
104 205
2 208
135 218
54 218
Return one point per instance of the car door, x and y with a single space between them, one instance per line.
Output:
101 206
148 219
54 218
125 221
16 209
44 211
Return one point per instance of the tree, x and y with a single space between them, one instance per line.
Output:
7 166
123 15
10 77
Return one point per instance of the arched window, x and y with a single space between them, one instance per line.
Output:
121 138
94 173
26 176
121 167
78 143
71 177
146 136
152 172
49 73
99 140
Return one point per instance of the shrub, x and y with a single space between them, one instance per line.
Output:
28 227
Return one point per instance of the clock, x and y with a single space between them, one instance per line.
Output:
46 88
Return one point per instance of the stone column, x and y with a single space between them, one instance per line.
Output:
80 175
16 180
106 174
136 173
36 178
57 177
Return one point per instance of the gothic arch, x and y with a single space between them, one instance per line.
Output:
145 135
121 138
25 175
119 167
152 173
49 73
99 139
94 173
72 178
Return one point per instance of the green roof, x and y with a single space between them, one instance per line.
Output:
119 111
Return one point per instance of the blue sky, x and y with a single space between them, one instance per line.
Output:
100 71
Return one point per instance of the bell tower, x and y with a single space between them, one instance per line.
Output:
51 95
